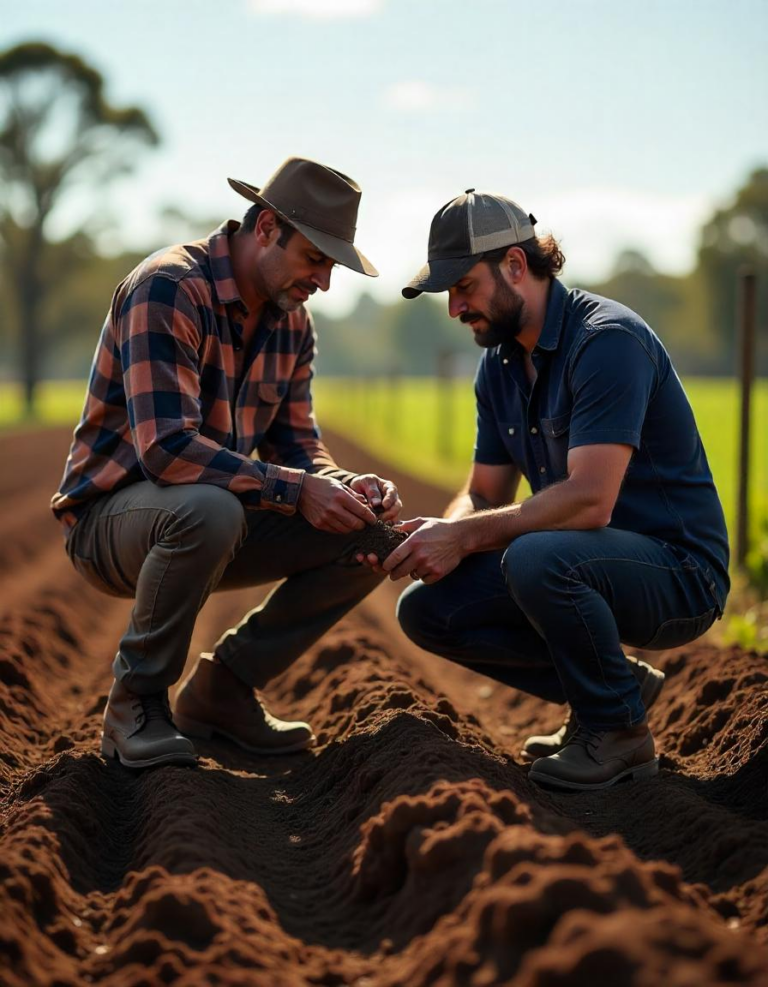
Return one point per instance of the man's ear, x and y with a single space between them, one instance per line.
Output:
516 264
266 227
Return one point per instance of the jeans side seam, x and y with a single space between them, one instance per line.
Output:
569 576
613 558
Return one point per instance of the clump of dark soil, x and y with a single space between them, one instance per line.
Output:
380 539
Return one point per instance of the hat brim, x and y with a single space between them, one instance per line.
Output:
342 251
439 275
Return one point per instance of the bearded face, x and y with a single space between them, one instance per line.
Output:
504 317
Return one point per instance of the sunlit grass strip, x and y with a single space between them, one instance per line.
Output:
428 430
57 402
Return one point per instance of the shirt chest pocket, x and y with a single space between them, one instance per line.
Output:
556 433
269 397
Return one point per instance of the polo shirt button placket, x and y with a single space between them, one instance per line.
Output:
534 431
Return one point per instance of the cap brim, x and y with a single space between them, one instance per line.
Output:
342 251
439 275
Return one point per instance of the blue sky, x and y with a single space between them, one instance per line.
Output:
619 124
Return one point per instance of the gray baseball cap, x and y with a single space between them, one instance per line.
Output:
462 231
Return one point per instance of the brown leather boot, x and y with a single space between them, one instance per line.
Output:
650 681
139 731
595 759
213 700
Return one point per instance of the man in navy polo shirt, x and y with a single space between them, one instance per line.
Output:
624 538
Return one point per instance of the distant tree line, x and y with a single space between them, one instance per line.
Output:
58 132
695 315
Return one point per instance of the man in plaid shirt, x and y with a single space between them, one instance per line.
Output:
205 359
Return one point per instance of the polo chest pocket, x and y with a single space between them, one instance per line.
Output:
556 432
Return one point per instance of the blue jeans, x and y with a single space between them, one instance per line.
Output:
548 615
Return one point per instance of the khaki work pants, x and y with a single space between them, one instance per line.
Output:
169 547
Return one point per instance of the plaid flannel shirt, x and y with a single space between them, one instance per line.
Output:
174 397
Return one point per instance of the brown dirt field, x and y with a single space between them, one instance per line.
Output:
407 849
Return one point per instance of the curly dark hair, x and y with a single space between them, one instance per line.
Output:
545 258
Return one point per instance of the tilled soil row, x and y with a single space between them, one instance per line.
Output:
408 848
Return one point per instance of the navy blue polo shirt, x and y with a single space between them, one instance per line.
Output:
603 376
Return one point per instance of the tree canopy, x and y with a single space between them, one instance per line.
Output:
57 131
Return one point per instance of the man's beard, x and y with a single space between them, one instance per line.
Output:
284 300
505 314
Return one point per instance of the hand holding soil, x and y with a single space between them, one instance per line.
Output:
379 539
380 495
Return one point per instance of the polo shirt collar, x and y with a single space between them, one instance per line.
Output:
553 323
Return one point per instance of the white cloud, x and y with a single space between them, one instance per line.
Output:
317 9
416 96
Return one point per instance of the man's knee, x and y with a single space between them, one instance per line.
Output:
529 562
215 513
420 614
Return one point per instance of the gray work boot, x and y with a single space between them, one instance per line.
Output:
213 700
650 681
139 731
597 759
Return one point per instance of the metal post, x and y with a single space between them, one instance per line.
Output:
747 310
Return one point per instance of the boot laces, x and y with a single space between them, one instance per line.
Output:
155 707
586 738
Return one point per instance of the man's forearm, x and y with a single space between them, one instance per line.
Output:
465 504
563 506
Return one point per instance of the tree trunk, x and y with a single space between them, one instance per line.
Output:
29 346
29 317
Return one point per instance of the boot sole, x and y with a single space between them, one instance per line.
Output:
655 687
638 773
204 731
111 752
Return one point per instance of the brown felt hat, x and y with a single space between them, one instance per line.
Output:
320 202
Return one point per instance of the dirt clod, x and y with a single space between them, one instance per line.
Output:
380 539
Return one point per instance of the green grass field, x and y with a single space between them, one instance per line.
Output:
428 430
